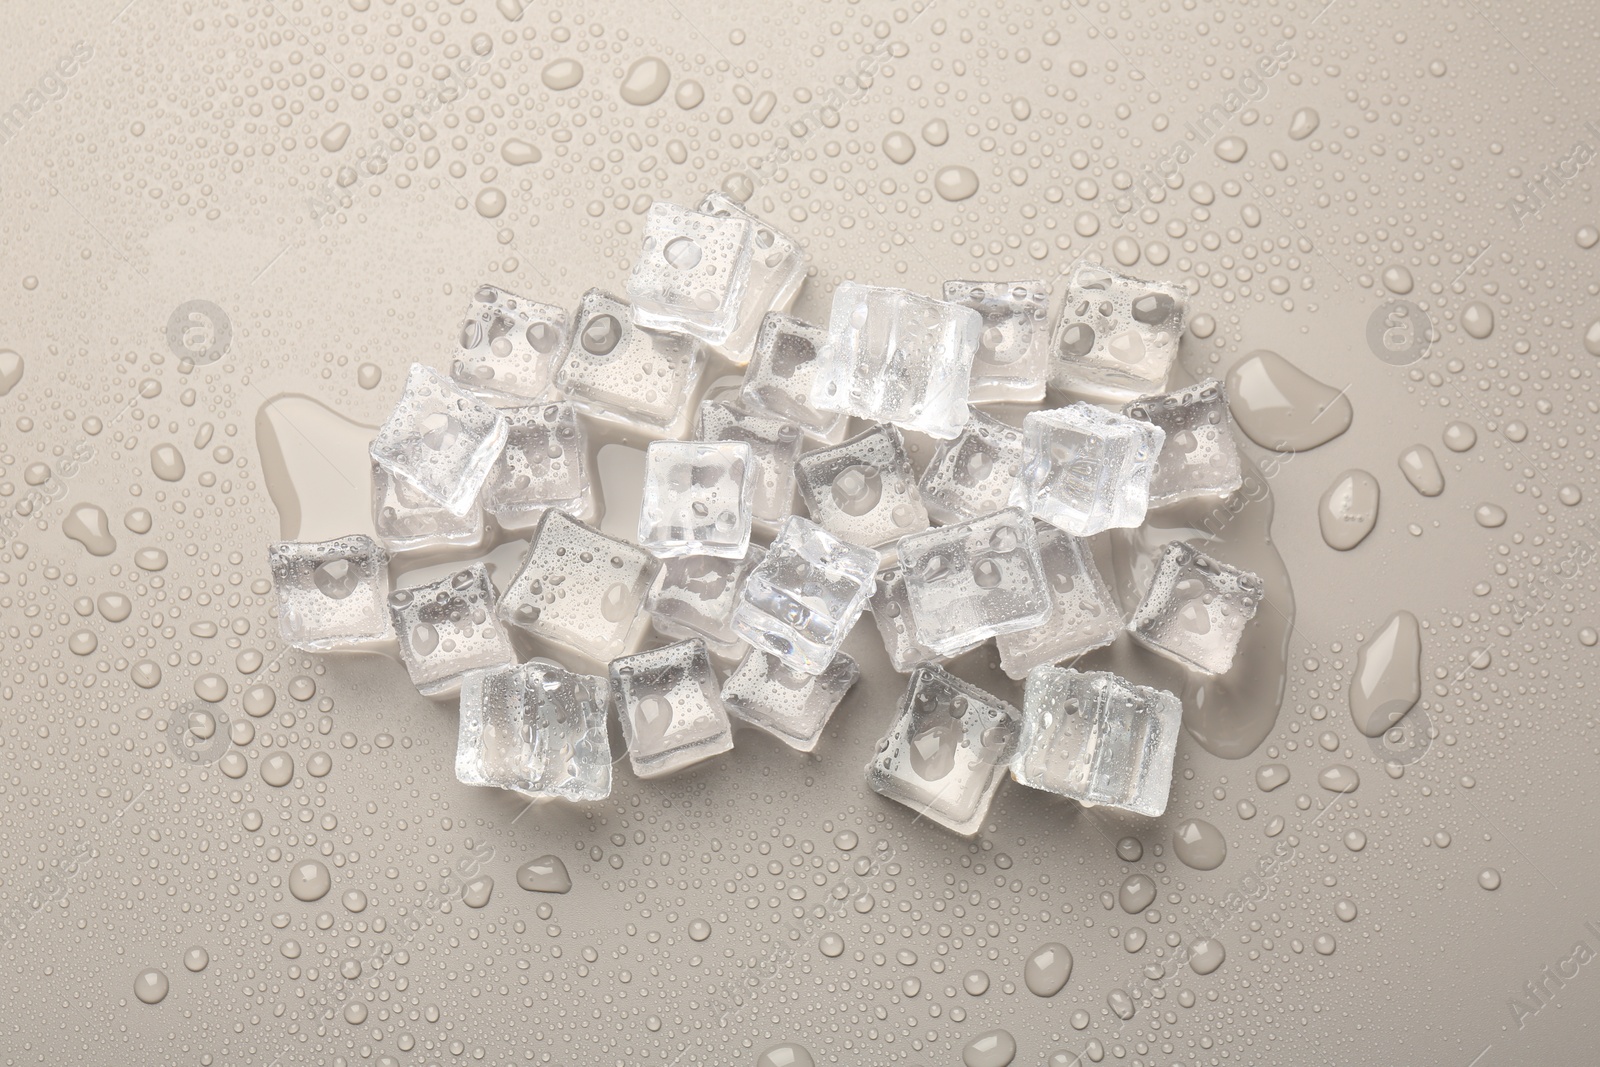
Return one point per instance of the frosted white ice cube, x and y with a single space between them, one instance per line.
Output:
1196 608
1117 335
967 582
509 346
899 357
791 705
537 729
331 593
1086 469
1013 357
440 439
1098 738
947 750
671 708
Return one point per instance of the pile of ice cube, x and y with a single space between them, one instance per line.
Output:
987 543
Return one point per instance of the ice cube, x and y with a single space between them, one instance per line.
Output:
891 611
864 489
405 520
801 600
623 373
777 270
1117 336
331 593
691 271
440 439
579 589
509 346
1013 357
947 750
448 627
1196 608
968 582
1083 612
697 498
543 465
537 729
670 707
694 596
1086 469
775 444
790 705
1098 738
1199 457
785 363
900 357
972 475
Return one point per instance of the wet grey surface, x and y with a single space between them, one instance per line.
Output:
203 209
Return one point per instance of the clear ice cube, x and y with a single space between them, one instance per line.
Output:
331 593
448 627
405 520
543 465
694 596
900 357
1196 608
440 439
1199 456
1013 357
972 474
509 346
1117 336
1083 612
623 373
1098 738
1086 469
791 705
863 490
697 498
775 444
891 612
947 750
691 271
776 272
579 589
787 356
537 729
671 708
801 600
970 581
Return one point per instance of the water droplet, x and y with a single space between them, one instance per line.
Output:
1047 969
547 874
1477 318
1348 510
1199 844
955 182
89 525
562 74
309 880
996 1048
150 986
1280 406
646 81
1206 955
